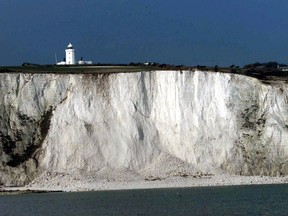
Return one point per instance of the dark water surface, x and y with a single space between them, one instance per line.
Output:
232 200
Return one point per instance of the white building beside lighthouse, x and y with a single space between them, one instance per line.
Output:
70 57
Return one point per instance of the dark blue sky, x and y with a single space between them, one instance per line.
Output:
188 32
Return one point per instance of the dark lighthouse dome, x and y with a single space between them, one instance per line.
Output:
70 46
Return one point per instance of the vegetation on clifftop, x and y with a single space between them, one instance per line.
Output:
262 71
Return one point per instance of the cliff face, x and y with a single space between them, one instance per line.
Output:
84 123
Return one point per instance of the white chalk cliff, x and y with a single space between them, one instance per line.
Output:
125 121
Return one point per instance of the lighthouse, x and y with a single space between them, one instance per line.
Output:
70 55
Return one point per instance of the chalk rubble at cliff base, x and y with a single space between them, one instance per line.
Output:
166 172
66 183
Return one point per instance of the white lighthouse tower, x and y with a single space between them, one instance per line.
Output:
70 55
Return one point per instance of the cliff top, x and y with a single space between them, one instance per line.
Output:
74 69
263 74
108 68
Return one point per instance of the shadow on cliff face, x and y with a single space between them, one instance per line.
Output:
20 143
42 126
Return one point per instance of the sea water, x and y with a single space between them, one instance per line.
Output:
224 200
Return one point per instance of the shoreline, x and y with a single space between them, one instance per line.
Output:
170 182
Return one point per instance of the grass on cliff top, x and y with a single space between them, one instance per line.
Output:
265 75
72 69
92 69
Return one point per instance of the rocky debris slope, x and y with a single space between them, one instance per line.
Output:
194 122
